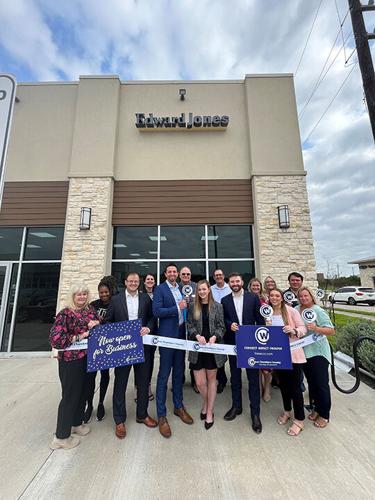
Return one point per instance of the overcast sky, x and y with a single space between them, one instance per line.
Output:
44 40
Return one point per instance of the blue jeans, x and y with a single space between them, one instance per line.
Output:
170 359
236 385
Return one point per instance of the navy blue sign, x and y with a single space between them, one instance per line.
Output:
115 344
263 347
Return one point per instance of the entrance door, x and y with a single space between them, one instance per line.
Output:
4 290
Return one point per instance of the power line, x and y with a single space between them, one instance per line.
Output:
320 77
341 23
308 38
329 105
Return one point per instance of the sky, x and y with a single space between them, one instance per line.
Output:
48 40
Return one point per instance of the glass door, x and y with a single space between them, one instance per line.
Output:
4 290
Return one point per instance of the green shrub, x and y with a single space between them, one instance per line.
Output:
347 334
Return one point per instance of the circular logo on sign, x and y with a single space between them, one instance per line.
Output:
317 337
289 296
262 335
266 311
320 293
309 315
251 362
155 340
196 346
187 290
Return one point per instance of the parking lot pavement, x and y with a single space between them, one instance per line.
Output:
227 462
358 307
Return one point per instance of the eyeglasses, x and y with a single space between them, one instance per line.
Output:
185 274
131 282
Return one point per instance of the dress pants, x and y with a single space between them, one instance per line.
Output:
236 385
316 371
291 391
72 376
170 359
141 372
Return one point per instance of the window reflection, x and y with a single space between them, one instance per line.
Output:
135 242
121 269
198 270
182 242
44 243
9 308
10 243
230 242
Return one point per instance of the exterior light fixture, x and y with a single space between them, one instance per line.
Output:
182 93
283 213
85 220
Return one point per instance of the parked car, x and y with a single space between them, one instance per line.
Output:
353 294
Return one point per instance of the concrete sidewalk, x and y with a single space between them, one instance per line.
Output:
227 462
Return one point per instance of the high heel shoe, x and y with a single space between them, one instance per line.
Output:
208 425
203 415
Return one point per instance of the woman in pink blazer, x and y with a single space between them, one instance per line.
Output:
290 380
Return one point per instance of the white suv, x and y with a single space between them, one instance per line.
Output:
353 294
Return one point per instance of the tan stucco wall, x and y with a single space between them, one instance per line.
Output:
41 137
87 129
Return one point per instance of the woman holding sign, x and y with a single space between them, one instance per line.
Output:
290 380
72 325
205 323
318 355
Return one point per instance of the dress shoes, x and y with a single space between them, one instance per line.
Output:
256 424
208 425
203 415
184 416
232 413
100 412
148 421
120 431
164 428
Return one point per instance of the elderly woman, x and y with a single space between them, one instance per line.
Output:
318 355
290 380
205 323
72 325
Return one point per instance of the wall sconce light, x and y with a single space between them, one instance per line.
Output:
182 94
85 220
283 213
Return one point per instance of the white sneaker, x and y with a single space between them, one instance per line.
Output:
81 430
64 444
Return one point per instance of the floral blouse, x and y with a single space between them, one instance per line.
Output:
67 324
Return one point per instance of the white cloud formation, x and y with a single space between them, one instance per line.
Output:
190 39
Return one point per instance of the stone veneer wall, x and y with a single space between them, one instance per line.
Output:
281 251
87 253
367 274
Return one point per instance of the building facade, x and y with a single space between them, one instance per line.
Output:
187 171
366 271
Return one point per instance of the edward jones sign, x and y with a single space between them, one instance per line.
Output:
146 123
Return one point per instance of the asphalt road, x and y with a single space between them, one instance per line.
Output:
359 307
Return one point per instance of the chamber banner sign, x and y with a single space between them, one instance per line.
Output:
263 347
115 344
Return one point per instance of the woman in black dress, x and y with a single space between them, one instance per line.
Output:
106 289
205 324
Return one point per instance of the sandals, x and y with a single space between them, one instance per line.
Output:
321 422
283 418
313 416
295 428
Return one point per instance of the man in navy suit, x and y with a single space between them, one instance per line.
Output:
123 307
241 308
168 305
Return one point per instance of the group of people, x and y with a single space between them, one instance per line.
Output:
210 315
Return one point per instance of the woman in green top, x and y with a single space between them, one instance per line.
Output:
318 356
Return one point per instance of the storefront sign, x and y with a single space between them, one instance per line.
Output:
7 97
263 347
146 123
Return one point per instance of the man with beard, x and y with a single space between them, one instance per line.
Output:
242 308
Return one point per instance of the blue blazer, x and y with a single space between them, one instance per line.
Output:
250 314
164 307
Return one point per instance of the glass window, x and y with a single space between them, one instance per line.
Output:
182 242
44 243
36 306
244 267
9 308
198 270
121 269
134 242
229 242
10 243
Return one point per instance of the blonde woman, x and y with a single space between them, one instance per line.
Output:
318 355
290 380
72 325
205 323
268 285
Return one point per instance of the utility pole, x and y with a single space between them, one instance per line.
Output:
364 54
